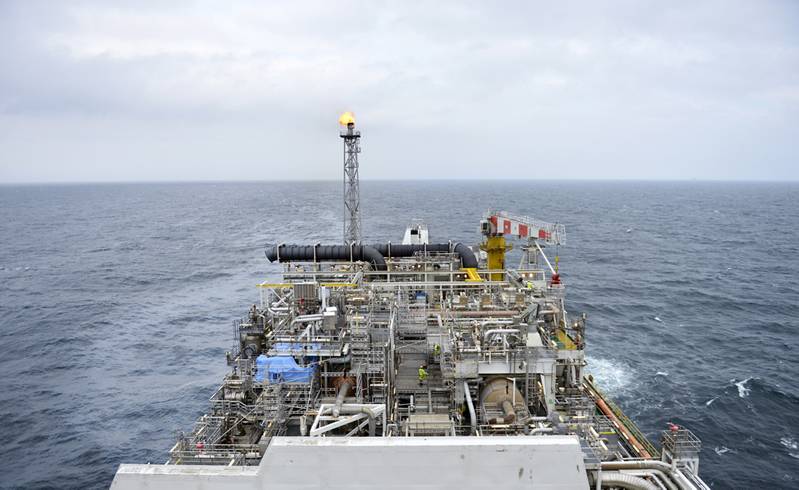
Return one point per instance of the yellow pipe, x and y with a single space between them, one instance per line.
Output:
472 275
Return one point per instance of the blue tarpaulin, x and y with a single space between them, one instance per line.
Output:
281 369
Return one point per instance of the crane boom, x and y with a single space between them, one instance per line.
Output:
496 224
504 223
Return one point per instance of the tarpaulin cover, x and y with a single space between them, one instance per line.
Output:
281 369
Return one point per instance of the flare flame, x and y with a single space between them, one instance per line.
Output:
347 118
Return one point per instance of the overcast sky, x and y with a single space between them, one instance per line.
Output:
137 91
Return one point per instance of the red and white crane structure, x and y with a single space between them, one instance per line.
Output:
498 224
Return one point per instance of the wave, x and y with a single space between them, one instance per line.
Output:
789 442
612 376
757 389
207 275
743 390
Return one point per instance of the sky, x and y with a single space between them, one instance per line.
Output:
183 91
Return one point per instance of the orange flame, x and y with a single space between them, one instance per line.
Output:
347 118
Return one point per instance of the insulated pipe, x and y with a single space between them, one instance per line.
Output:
623 480
468 260
498 331
306 318
498 392
470 404
654 465
326 253
651 464
343 389
510 413
338 360
661 477
375 253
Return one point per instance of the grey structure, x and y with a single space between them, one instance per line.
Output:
352 194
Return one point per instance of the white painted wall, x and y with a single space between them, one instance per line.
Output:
512 462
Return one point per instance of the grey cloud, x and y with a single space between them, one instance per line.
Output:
101 91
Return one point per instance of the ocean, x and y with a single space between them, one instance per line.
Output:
117 302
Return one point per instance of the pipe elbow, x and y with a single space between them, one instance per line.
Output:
271 252
468 260
372 255
624 480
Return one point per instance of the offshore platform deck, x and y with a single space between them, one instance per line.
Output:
416 365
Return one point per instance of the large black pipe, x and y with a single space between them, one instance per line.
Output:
326 253
375 253
468 260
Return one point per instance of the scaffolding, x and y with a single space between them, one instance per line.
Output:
417 349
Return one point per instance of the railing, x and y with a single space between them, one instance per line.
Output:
499 429
427 429
681 443
557 291
575 405
603 425
628 424
186 452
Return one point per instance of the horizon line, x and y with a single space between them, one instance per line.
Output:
277 181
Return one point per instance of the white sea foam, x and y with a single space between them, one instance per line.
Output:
610 375
743 391
789 442
721 450
661 373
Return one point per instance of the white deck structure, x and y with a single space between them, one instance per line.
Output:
383 462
